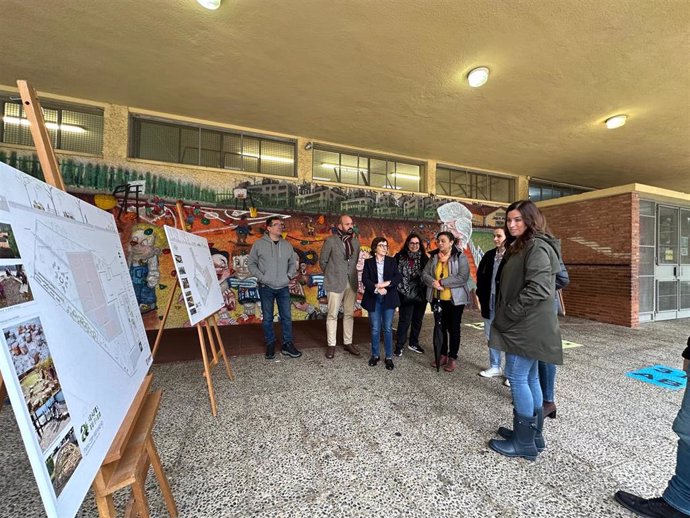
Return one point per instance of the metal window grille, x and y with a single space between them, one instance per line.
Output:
475 185
167 141
70 127
330 165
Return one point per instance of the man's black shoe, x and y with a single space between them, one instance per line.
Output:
416 348
398 351
270 351
290 350
652 508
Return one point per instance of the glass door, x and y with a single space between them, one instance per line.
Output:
672 271
684 267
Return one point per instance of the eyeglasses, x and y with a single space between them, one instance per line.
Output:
277 224
382 245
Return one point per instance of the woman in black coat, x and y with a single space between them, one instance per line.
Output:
486 292
411 262
381 278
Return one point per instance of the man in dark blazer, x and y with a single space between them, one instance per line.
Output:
338 262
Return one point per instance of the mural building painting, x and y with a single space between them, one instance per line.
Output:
232 216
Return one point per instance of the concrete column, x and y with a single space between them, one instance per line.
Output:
305 160
115 133
430 180
522 188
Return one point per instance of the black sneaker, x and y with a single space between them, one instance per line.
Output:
373 361
389 364
416 348
270 351
398 351
651 508
290 350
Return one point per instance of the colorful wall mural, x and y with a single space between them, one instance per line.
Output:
232 216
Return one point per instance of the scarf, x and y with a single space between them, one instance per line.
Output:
347 241
410 267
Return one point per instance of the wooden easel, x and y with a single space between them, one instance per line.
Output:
124 455
210 322
3 392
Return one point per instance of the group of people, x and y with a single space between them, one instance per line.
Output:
516 287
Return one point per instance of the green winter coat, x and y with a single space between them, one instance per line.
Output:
525 323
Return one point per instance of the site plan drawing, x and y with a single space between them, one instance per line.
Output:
73 348
196 274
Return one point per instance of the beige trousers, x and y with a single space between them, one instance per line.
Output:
347 298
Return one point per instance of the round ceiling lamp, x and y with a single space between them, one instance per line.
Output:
478 76
210 4
616 121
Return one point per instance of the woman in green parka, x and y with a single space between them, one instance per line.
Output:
525 325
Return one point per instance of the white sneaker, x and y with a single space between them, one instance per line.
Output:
506 382
491 372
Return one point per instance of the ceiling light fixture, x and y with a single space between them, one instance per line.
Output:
478 76
308 146
210 4
616 121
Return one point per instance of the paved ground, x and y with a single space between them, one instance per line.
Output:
312 437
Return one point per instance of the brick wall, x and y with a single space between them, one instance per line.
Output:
600 242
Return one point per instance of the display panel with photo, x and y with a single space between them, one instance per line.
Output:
8 245
27 344
14 285
63 460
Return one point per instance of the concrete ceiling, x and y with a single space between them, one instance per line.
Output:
389 75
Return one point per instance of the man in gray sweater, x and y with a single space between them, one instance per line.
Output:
338 262
272 262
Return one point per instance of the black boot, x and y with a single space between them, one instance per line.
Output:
521 442
539 442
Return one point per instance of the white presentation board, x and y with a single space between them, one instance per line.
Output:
196 273
73 349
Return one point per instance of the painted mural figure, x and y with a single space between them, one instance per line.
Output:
247 288
221 263
142 259
242 230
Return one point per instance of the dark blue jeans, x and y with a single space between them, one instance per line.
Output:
524 384
381 319
547 380
282 297
677 493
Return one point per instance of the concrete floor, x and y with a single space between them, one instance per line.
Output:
312 437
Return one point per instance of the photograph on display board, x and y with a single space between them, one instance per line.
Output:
196 273
63 460
14 285
8 246
45 402
27 345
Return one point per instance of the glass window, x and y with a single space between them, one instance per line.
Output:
667 246
368 171
211 147
479 186
70 128
540 190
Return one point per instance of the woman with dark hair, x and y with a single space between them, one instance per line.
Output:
411 262
445 276
486 292
380 278
525 325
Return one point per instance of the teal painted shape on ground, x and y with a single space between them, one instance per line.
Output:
661 376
